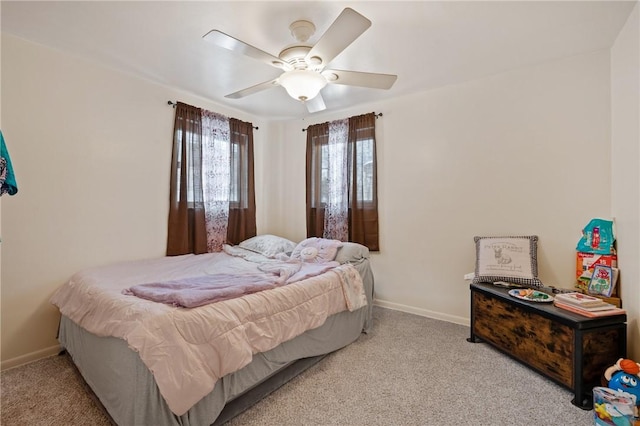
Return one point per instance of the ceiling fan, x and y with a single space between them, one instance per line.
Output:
304 64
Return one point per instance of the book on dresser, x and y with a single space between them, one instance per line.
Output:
581 300
599 311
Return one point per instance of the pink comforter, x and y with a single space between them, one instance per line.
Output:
188 350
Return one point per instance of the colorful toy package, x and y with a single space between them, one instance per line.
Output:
613 407
597 237
586 263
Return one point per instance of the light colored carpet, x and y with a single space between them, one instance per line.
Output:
409 370
48 392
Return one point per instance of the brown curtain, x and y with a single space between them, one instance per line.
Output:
362 171
363 185
317 137
242 206
186 230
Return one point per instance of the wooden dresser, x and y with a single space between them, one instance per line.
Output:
570 349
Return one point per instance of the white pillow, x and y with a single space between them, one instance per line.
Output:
352 253
268 245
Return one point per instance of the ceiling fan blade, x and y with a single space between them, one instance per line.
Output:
225 41
253 89
362 79
347 27
316 104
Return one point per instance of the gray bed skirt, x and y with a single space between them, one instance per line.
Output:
127 389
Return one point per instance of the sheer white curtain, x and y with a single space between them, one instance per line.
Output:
216 177
336 219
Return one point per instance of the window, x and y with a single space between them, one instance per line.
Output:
212 194
239 185
341 181
231 176
364 163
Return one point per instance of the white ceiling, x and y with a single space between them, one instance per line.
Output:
428 44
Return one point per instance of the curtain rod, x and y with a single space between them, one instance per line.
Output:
375 115
173 105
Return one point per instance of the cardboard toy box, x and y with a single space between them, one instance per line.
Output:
585 263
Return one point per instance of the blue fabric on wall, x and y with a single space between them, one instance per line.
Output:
8 184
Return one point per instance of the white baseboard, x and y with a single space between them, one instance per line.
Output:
422 312
30 357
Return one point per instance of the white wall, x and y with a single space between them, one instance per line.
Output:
625 142
524 152
91 149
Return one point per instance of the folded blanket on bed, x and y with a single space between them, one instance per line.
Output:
198 291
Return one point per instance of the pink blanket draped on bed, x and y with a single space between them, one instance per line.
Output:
198 291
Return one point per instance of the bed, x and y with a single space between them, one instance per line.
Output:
228 354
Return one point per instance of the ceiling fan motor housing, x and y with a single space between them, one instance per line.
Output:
294 55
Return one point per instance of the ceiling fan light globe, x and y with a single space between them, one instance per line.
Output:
302 85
